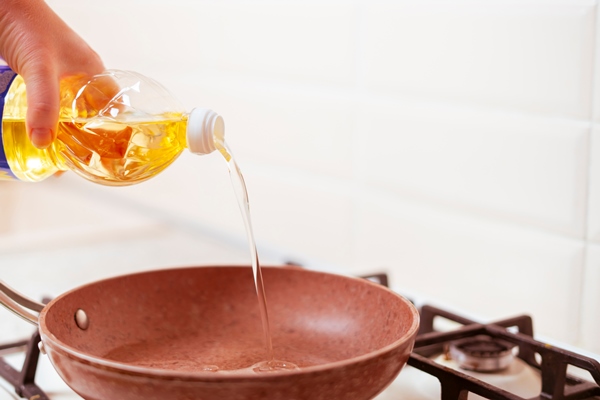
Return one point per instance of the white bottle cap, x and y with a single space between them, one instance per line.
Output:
204 128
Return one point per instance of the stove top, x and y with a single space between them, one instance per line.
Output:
550 363
498 360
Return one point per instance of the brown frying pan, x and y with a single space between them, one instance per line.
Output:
195 333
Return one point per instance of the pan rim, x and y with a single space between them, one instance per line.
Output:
52 343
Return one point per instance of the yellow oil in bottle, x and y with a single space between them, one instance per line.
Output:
114 147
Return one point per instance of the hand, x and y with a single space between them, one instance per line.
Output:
40 47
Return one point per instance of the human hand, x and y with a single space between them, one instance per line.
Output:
40 47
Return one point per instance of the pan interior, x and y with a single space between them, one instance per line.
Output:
207 318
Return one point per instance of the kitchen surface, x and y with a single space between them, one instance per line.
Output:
145 244
454 146
98 241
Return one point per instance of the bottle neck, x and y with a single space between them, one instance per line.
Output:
205 131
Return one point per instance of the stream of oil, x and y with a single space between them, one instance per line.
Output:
241 193
238 355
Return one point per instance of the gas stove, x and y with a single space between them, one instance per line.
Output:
499 360
454 358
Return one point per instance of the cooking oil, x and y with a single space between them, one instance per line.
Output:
102 135
269 364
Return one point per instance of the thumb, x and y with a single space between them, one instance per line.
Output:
43 101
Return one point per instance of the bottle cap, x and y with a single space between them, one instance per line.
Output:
204 128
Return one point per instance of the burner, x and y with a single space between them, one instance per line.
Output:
482 353
549 362
552 364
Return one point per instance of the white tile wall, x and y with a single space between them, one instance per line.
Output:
531 56
7 205
50 215
149 35
451 140
293 127
531 170
312 42
314 217
590 321
594 194
596 81
489 267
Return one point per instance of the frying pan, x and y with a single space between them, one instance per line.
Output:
195 333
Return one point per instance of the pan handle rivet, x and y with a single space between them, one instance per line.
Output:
42 348
81 319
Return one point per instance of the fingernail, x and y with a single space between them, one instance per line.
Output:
41 138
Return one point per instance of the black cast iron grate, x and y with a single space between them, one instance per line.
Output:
24 380
557 384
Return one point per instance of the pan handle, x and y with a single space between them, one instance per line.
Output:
19 304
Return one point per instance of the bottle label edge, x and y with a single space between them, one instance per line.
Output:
7 76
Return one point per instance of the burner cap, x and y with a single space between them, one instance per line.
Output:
483 353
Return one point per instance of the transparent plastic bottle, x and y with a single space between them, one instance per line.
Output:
116 128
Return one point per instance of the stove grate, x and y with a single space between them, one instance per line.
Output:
557 384
24 380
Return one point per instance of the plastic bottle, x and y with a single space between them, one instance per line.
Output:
117 128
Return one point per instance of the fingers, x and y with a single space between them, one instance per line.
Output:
40 47
42 104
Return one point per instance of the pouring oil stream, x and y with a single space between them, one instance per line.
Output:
241 193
